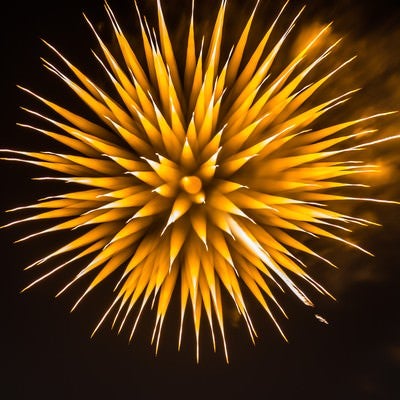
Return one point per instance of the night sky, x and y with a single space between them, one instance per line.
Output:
48 353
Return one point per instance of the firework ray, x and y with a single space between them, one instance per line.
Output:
197 182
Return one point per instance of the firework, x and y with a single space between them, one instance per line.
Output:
197 177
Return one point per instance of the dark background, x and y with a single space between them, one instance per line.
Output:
47 352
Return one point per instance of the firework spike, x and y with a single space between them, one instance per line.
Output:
237 54
168 51
129 56
120 79
147 44
247 74
76 120
197 79
184 298
80 75
190 63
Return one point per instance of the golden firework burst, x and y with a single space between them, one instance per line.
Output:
199 174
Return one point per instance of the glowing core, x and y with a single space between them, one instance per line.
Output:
191 184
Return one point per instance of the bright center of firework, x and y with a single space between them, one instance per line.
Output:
191 184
